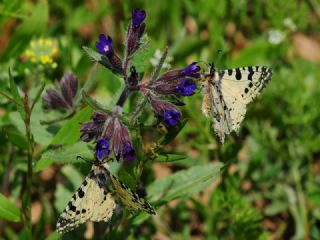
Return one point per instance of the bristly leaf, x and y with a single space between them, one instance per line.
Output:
17 138
158 68
185 183
64 155
143 55
97 57
8 210
182 184
93 103
70 132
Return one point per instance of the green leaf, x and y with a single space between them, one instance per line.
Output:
40 132
276 207
70 132
94 55
25 234
165 158
17 139
142 57
314 196
8 210
93 103
54 236
174 131
184 183
62 196
97 57
127 178
73 175
67 154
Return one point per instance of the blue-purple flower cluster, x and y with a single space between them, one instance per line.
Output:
109 131
110 134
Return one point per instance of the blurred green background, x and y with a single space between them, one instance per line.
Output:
270 186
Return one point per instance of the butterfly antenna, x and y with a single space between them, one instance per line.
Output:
79 157
203 65
219 56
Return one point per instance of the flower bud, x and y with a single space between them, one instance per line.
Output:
135 31
178 87
138 17
64 100
93 129
190 71
122 145
134 77
168 114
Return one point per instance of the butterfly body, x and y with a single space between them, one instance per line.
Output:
227 92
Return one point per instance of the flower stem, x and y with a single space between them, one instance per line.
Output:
26 203
123 97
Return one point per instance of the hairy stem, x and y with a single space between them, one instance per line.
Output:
26 203
123 97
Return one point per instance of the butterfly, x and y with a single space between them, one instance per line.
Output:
227 93
96 202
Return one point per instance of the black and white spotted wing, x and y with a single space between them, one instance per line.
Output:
130 199
227 92
92 201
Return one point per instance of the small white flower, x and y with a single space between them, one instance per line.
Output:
156 58
289 24
275 36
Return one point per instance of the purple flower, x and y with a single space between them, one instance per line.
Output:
171 118
102 148
186 87
104 45
112 60
64 99
93 129
121 141
166 112
135 31
128 152
138 17
192 70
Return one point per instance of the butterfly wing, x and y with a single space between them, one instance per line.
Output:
213 104
130 199
91 201
239 86
227 92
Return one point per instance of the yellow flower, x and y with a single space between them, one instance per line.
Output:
42 51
